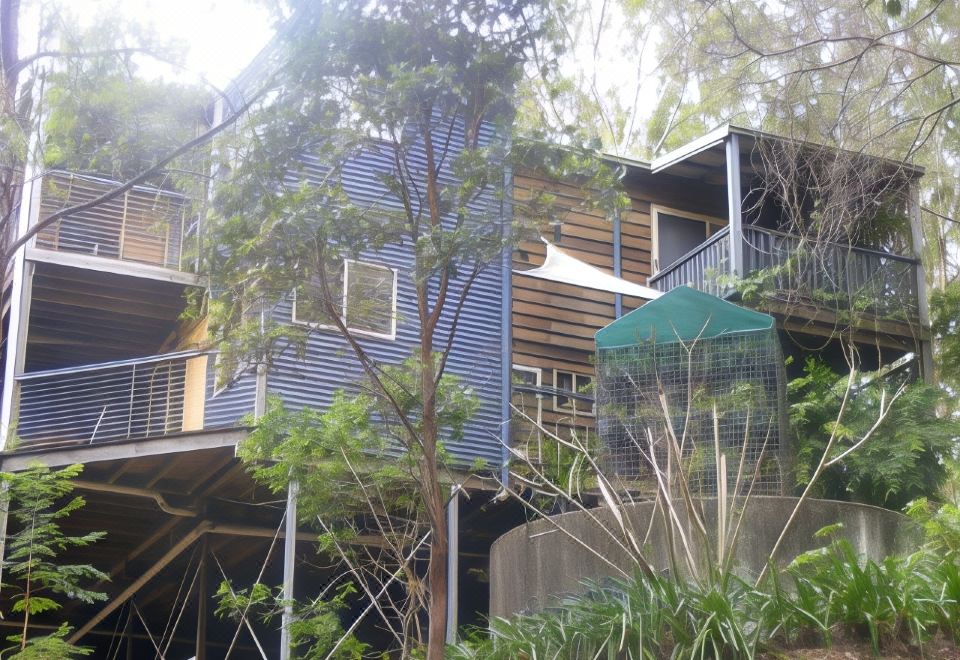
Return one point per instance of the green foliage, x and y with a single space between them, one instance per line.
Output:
902 460
39 500
902 600
315 629
642 618
945 324
887 599
357 443
104 117
48 647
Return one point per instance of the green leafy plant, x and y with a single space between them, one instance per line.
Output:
316 631
822 594
903 458
39 500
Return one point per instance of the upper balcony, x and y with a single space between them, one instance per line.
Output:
819 279
126 399
827 282
144 227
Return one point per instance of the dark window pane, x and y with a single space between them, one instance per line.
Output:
564 382
676 236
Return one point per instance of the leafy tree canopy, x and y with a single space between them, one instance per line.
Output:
103 116
903 460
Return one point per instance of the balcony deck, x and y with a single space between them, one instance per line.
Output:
827 285
123 400
142 226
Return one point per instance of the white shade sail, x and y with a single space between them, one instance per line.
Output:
561 267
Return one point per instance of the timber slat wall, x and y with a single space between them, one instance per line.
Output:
554 324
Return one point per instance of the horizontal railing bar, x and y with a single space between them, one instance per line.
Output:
167 357
124 377
33 413
103 391
54 174
553 391
839 246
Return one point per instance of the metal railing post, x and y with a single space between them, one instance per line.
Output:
133 382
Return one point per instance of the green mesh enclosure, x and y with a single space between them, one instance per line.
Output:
704 355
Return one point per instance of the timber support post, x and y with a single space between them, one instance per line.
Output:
735 205
453 564
289 559
203 596
924 346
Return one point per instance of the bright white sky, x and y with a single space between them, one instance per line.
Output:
222 36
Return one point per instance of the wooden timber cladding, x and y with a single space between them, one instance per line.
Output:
553 323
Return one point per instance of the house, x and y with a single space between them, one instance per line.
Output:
678 229
101 368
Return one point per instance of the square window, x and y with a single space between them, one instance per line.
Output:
370 303
575 384
365 294
308 301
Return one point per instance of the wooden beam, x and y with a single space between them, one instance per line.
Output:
105 265
132 588
147 543
119 472
124 449
231 529
218 475
171 464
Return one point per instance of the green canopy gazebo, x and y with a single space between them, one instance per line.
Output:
711 370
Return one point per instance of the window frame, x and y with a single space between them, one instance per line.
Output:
572 407
242 366
392 335
539 373
655 211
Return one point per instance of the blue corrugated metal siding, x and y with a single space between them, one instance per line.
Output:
227 407
476 355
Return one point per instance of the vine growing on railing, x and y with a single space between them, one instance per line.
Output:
841 214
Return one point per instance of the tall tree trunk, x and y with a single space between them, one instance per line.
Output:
434 501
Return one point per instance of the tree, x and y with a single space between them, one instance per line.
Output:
38 500
905 458
92 74
427 89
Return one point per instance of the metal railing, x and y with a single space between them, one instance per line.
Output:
143 225
834 276
129 399
699 268
825 275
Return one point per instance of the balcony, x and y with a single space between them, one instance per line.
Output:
129 399
144 225
827 283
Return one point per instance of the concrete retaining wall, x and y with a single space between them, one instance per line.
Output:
535 562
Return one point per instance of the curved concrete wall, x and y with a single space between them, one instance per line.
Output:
535 562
